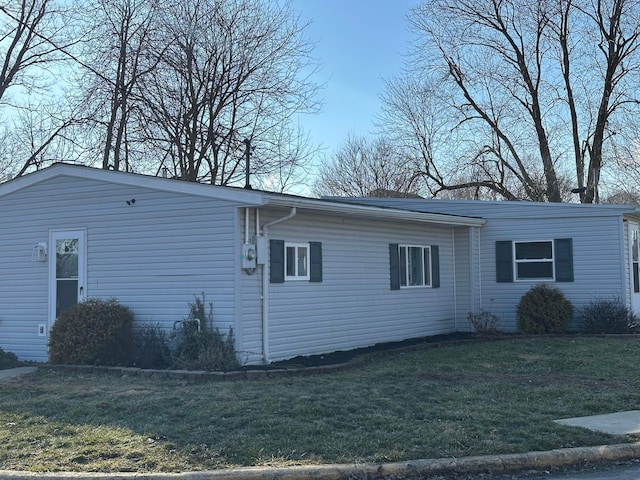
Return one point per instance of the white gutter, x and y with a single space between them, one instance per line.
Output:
265 284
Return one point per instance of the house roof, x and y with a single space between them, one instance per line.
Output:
243 197
498 209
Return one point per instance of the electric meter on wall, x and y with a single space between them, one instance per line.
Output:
248 258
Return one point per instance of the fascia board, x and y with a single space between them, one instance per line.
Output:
243 197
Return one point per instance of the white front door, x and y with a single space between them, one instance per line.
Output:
66 271
634 259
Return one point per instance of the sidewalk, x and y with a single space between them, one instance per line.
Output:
15 372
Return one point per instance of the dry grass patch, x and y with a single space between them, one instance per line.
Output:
472 399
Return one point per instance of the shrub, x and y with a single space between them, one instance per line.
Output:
200 346
151 347
8 359
606 316
93 332
543 309
484 323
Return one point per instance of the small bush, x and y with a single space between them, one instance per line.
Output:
544 309
484 323
200 346
606 316
151 347
8 359
93 332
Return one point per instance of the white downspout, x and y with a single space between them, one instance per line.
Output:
265 285
246 225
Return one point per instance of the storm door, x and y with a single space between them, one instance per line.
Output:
634 258
66 271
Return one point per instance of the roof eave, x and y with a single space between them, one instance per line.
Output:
243 197
375 212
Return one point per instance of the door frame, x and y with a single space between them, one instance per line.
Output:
54 235
634 297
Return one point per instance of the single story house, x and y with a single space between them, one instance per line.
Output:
589 251
291 275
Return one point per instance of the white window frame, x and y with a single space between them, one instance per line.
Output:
517 262
405 267
297 246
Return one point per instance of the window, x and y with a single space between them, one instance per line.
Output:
539 260
534 260
415 266
296 261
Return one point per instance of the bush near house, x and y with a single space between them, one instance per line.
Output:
8 359
484 323
93 332
607 316
151 347
544 309
200 346
101 332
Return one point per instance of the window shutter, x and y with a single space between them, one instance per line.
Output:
394 264
435 266
564 259
315 262
276 258
504 261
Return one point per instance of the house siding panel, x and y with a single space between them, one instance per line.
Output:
596 268
153 256
600 260
354 305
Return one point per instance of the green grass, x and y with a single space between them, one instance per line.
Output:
472 399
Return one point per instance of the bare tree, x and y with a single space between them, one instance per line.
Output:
292 154
231 72
367 168
35 41
122 45
532 90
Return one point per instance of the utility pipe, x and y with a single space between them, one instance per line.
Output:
246 225
265 284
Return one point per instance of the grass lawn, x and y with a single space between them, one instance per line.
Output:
458 400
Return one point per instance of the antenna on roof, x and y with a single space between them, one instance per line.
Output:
247 183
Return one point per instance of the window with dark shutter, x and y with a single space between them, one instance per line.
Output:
535 260
413 266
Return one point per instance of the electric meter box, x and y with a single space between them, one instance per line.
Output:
248 258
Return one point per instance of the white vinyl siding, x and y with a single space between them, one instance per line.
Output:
599 247
152 256
353 306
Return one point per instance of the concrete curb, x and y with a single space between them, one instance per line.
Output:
417 468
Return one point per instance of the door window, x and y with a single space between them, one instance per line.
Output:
66 274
